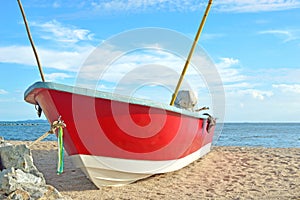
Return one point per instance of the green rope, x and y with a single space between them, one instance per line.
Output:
60 163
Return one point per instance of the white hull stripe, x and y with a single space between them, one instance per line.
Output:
116 171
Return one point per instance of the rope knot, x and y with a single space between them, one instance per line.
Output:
57 124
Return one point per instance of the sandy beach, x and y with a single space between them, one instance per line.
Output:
225 173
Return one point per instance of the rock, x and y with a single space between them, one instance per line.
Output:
3 196
45 192
11 180
20 179
18 194
5 185
3 143
19 157
48 192
2 140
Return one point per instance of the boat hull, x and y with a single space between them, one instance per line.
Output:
116 140
106 171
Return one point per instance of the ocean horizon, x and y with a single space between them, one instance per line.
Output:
247 134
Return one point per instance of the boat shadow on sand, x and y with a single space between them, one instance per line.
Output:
46 162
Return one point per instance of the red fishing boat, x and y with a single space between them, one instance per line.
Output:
116 140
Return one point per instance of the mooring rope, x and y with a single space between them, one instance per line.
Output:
59 124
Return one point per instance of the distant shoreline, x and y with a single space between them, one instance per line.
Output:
23 123
37 121
41 121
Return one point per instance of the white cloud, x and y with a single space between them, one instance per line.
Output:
148 68
272 91
126 64
288 88
245 93
56 4
138 6
141 6
55 76
68 55
255 5
261 95
258 84
24 56
54 30
55 59
227 62
2 91
237 84
65 60
274 75
192 5
287 35
211 36
228 68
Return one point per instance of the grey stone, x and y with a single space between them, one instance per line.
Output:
11 180
20 179
3 196
5 181
2 140
47 192
18 157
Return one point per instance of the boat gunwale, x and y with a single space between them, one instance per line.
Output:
109 96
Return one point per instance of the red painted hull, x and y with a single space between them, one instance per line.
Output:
117 129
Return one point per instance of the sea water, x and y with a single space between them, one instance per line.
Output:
25 130
278 135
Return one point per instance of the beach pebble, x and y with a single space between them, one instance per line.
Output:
19 194
19 177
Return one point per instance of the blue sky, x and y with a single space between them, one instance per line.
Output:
254 44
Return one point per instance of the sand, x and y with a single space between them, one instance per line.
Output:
224 173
